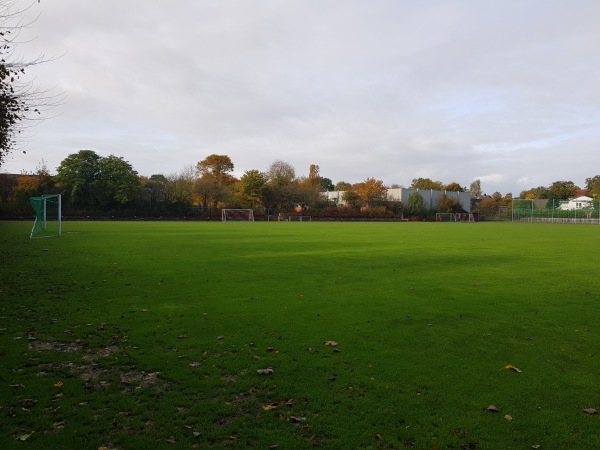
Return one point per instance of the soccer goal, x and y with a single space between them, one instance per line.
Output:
464 217
48 216
237 215
444 217
290 218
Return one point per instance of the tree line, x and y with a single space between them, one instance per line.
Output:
92 184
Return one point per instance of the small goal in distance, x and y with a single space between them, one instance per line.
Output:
237 215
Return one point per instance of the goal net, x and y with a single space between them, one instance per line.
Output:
290 218
237 215
464 217
444 217
48 216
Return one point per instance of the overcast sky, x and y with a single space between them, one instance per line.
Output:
505 91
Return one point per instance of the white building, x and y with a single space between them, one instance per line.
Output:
582 202
430 197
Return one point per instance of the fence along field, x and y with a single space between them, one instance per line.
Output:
213 335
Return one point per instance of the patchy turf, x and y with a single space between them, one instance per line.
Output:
299 335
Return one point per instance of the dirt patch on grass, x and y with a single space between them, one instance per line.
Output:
50 346
94 376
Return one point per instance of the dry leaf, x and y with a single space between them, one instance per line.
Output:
535 446
24 437
267 371
296 419
508 417
58 384
331 343
171 440
377 436
513 368
269 406
194 364
492 408
590 411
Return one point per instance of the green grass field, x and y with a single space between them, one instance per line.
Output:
150 335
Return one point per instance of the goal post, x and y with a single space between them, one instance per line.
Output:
293 218
444 217
237 215
48 215
464 217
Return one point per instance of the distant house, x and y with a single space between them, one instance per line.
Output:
582 202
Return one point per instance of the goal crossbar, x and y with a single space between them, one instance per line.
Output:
237 215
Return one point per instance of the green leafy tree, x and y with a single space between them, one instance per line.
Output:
562 189
154 191
326 184
117 183
90 181
352 199
251 188
426 183
592 185
415 204
533 193
78 176
342 186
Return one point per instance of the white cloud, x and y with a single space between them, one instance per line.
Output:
392 90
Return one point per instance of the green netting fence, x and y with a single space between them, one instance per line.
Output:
580 210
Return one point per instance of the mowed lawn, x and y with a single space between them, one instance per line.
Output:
135 335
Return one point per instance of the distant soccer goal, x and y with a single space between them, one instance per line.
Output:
48 216
464 217
444 217
288 218
237 215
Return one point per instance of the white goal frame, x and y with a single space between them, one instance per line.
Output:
237 215
464 217
290 218
439 217
40 225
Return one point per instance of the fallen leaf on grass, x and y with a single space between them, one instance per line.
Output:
58 384
536 446
590 411
492 408
267 371
331 343
513 368
171 441
24 437
269 407
377 436
194 364
296 419
508 417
